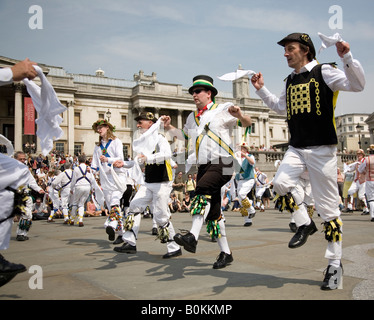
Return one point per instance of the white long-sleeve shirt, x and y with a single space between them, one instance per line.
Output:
77 177
352 79
63 179
6 76
222 125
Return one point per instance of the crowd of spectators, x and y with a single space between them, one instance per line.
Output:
45 168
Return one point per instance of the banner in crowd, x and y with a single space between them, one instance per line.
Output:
29 117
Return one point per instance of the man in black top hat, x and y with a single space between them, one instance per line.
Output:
309 100
208 131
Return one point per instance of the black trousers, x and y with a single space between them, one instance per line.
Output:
211 177
125 200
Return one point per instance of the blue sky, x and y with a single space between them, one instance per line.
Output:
180 39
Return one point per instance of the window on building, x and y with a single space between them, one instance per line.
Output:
60 147
125 149
78 149
271 132
123 121
253 130
101 116
10 108
350 128
349 119
77 118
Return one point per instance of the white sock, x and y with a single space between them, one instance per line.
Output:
334 262
197 223
222 241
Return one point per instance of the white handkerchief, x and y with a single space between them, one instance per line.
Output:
147 142
49 109
9 147
236 75
329 41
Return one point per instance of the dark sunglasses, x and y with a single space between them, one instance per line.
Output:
197 91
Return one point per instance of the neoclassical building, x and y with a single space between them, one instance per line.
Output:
91 97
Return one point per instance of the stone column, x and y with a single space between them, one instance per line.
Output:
180 119
70 129
18 105
261 131
267 135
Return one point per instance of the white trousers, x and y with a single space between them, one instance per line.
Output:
65 200
243 188
259 192
156 196
321 163
53 194
113 198
357 187
81 194
303 190
7 201
369 189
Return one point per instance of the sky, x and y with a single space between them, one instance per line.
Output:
180 39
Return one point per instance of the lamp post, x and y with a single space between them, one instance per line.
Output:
108 115
359 128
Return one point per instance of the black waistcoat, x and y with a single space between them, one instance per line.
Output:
310 110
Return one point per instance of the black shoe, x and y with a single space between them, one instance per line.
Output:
118 240
187 241
247 224
20 238
347 210
333 278
172 254
110 232
302 234
125 248
7 267
154 232
223 260
293 227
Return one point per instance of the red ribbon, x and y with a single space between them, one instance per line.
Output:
201 111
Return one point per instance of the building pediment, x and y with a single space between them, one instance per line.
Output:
6 62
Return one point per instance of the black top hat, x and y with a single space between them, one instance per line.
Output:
203 81
146 116
301 38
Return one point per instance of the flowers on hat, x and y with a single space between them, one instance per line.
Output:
102 122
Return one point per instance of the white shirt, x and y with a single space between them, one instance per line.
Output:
6 76
222 126
352 79
63 180
77 175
